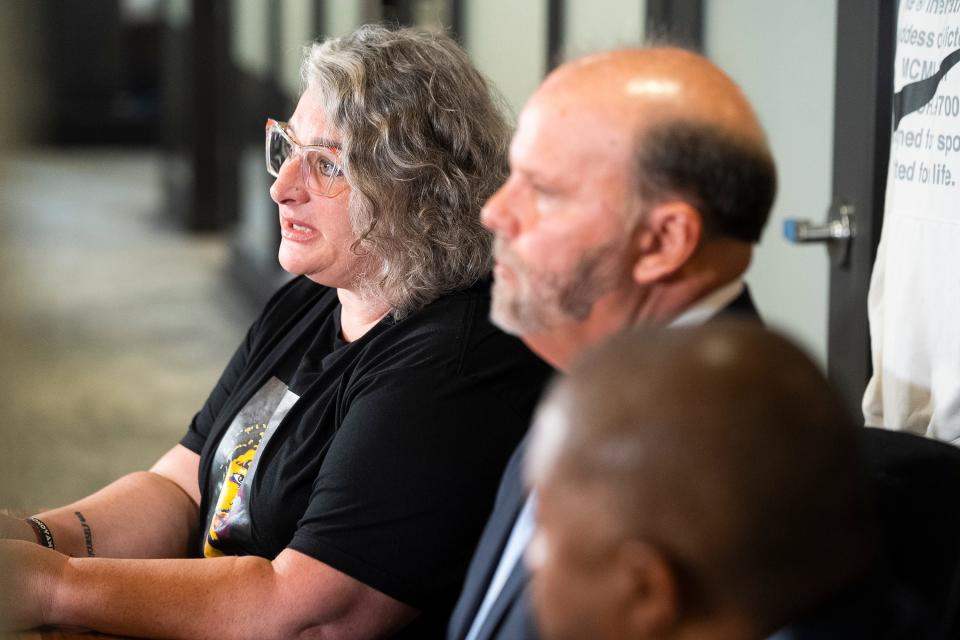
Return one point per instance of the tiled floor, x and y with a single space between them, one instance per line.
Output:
113 325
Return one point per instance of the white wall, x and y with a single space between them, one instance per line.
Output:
782 54
432 14
508 41
250 48
342 17
592 25
296 30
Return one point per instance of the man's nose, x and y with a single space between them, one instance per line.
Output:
288 187
497 213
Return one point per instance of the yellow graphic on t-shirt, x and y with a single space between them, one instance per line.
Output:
242 457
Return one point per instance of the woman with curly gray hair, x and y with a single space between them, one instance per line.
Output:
337 478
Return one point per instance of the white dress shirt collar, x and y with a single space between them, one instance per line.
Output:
708 306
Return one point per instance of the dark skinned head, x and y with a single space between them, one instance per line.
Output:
699 483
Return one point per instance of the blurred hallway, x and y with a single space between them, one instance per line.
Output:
114 328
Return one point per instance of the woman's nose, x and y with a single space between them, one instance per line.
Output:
288 187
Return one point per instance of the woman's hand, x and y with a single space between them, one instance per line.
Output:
29 578
12 528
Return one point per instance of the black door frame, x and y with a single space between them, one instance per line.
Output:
677 22
866 31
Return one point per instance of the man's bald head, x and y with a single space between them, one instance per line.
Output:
722 448
694 135
657 82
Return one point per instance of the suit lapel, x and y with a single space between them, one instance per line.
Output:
509 502
509 595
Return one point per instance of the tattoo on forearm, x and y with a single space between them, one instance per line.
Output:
87 533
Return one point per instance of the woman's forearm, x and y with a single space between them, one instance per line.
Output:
148 514
228 597
141 515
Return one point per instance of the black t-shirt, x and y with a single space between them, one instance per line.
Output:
378 457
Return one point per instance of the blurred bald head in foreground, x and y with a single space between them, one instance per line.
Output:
698 483
639 181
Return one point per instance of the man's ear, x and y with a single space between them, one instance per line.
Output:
665 240
654 602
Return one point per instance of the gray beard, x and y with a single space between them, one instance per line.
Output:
541 301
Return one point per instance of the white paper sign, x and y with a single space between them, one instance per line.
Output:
914 301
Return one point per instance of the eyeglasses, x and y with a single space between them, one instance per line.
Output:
320 165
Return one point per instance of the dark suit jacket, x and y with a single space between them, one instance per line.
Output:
874 609
510 618
916 484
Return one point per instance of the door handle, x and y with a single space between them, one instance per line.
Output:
838 232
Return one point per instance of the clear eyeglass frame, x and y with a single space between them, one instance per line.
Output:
320 166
